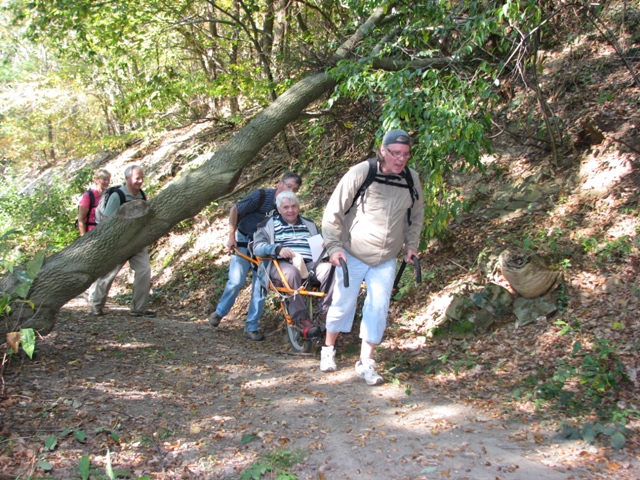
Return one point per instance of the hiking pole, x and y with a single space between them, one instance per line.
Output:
345 272
416 264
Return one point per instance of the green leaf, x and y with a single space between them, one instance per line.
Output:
28 341
44 465
34 266
589 433
617 326
51 442
617 440
576 347
80 436
108 469
23 289
84 467
256 471
247 438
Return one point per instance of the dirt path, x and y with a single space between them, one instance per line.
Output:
173 398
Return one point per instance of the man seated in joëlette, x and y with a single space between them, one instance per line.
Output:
284 236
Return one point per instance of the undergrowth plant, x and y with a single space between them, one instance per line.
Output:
584 383
276 464
24 337
41 216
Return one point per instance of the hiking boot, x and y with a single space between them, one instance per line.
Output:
255 336
308 329
146 314
214 319
364 368
328 359
97 312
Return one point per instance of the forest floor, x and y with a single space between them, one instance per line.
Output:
172 397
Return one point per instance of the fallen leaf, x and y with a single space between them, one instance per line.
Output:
13 340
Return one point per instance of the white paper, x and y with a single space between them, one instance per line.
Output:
316 243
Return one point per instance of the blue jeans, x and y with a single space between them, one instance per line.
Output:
238 271
379 282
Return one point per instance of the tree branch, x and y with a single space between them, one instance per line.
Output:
393 65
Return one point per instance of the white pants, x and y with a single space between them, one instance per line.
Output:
379 281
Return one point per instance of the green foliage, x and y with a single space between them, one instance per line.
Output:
452 361
617 433
462 328
568 328
84 467
37 217
276 462
447 112
28 341
606 251
25 276
588 380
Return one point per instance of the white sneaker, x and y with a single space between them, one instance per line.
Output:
328 359
364 368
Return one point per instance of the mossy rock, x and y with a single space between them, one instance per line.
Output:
461 308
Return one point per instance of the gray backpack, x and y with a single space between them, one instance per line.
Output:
104 199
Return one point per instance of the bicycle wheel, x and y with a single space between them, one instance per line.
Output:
295 336
297 341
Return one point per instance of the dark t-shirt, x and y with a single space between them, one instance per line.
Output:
251 213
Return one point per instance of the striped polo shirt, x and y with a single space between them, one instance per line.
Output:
292 236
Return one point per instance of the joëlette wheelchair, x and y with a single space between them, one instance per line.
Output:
310 288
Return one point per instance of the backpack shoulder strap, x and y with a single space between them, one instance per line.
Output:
406 173
144 195
123 198
371 175
92 200
263 195
92 205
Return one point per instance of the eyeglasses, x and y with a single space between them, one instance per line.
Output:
292 186
399 154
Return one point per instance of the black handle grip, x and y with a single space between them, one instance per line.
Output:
345 272
416 265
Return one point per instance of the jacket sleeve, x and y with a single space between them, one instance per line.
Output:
263 240
334 218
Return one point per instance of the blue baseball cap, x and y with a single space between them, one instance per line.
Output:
396 136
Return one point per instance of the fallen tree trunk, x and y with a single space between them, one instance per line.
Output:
68 273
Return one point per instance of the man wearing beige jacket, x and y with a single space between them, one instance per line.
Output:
368 230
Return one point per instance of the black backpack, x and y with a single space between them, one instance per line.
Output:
104 199
92 205
395 180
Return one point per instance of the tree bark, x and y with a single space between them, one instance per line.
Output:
69 272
